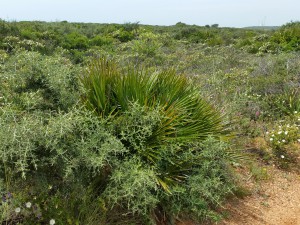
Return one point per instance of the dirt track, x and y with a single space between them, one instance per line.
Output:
277 202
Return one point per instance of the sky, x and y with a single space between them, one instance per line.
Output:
226 13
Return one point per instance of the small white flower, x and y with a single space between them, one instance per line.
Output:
282 156
272 135
52 222
279 132
295 112
267 132
28 204
298 140
283 141
286 132
17 210
271 139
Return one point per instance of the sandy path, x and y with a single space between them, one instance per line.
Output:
277 202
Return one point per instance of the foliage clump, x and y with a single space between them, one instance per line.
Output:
158 117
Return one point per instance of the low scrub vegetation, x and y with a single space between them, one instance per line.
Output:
135 124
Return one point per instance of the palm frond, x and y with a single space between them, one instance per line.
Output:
184 116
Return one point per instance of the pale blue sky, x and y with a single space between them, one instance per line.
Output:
230 13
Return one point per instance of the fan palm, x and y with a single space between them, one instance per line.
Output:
185 116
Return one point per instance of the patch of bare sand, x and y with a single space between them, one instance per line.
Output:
277 202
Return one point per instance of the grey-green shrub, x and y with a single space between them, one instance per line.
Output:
210 181
33 81
133 186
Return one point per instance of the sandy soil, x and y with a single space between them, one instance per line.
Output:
276 202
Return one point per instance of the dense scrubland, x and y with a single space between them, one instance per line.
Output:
136 124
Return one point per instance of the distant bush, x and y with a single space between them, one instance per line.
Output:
131 27
185 31
75 41
148 45
8 29
285 39
101 40
123 35
288 37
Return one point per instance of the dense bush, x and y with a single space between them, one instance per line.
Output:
157 117
62 153
66 153
287 37
100 41
32 81
76 41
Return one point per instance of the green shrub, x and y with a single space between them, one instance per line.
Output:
133 187
287 37
76 41
18 136
148 45
101 40
123 35
58 155
39 82
160 119
207 186
8 29
66 154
